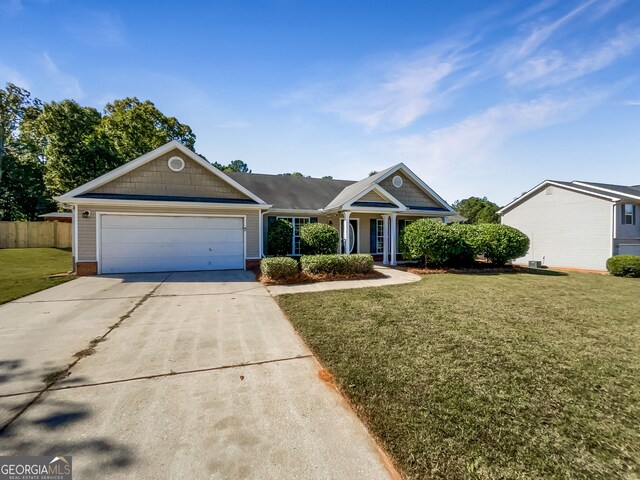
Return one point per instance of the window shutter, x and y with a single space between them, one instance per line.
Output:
313 220
373 239
265 232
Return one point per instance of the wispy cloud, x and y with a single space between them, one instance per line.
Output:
544 32
97 28
8 74
632 103
406 92
393 95
556 67
475 138
67 84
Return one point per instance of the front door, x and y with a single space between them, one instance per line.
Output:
353 237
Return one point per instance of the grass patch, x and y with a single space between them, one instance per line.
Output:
25 270
488 376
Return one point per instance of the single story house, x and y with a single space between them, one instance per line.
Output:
577 224
171 210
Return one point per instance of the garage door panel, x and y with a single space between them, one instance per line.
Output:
162 221
169 235
142 250
172 264
158 243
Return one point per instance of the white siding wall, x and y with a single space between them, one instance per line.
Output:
569 229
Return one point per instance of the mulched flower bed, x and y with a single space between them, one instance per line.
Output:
303 277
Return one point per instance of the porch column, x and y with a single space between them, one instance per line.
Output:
385 243
393 239
347 233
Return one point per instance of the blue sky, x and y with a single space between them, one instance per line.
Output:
478 98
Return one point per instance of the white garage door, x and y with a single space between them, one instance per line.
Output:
139 243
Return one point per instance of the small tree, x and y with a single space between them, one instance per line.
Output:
319 239
434 242
279 237
477 210
499 243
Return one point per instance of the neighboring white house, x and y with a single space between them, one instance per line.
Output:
577 224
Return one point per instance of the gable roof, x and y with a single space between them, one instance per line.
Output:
71 196
631 192
287 193
353 191
592 189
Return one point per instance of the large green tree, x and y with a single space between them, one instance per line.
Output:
477 210
135 128
72 145
22 191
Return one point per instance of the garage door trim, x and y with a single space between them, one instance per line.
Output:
99 216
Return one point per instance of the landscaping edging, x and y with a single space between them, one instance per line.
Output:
390 276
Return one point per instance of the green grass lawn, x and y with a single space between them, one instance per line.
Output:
489 376
25 270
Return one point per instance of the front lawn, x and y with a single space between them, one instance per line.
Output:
489 376
25 270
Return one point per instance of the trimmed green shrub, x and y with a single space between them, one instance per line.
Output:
337 264
279 237
318 239
434 242
624 266
498 243
279 268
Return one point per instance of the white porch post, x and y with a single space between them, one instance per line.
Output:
385 243
393 239
347 233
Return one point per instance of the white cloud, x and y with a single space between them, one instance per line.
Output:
555 68
632 103
67 84
474 139
544 32
97 28
8 74
406 92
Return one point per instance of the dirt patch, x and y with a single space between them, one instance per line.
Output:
303 277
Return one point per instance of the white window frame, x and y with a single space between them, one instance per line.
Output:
380 235
632 214
305 220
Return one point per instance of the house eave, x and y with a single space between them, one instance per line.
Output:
155 203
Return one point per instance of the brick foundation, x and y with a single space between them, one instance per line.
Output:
252 264
86 268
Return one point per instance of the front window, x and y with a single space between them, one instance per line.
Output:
628 214
296 223
379 236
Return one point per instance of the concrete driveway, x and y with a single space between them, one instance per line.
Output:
190 375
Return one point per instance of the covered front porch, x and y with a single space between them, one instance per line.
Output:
375 232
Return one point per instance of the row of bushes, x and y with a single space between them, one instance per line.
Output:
279 268
624 266
458 244
315 238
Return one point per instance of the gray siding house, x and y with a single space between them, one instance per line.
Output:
577 224
171 210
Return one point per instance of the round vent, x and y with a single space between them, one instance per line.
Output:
176 164
397 181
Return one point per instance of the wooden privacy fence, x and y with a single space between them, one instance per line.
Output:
35 235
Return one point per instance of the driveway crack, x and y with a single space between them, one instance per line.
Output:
55 377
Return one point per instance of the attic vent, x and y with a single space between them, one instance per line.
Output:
549 191
176 164
397 181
